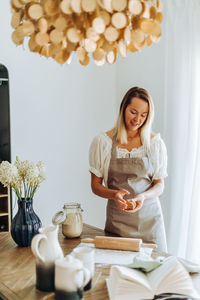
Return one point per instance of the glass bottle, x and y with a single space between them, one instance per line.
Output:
73 223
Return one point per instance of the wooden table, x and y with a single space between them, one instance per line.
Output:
17 269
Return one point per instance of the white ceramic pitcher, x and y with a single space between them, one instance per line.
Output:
45 245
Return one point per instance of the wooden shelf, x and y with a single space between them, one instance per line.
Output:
3 195
4 209
3 214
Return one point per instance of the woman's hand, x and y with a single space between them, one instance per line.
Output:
121 203
139 200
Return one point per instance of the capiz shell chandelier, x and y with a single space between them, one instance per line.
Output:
98 29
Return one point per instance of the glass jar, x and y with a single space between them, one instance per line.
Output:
73 223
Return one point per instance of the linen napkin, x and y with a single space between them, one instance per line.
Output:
145 263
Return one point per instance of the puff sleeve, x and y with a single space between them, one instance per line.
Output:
159 157
97 156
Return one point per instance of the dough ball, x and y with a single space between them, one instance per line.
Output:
131 204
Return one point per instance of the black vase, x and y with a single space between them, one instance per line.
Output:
25 223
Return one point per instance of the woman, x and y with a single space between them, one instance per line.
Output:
132 163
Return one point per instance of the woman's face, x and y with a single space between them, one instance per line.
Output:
136 114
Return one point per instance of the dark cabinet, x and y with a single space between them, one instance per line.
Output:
5 147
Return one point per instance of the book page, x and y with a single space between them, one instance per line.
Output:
157 275
132 275
124 282
171 277
127 291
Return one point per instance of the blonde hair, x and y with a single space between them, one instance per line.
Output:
145 129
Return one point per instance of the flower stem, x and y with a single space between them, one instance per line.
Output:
17 193
29 191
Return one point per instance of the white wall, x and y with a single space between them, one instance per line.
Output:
57 110
144 69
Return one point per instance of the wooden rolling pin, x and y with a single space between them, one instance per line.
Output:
118 243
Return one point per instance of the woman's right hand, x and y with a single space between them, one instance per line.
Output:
121 203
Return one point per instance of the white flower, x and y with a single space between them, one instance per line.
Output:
41 169
8 173
32 173
25 168
24 176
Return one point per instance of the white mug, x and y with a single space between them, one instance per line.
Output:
70 274
86 255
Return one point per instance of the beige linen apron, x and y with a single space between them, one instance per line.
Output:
134 175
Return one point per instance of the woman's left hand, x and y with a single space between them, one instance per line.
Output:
139 199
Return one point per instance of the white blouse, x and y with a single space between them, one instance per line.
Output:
100 153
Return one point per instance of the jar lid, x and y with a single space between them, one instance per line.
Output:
71 205
59 217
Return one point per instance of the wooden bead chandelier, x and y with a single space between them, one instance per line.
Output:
100 29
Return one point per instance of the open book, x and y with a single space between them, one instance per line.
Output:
170 277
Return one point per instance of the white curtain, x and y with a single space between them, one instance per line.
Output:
181 33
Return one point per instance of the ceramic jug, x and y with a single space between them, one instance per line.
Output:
46 249
70 278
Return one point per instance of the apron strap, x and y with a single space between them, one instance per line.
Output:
114 145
